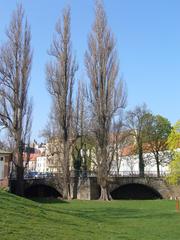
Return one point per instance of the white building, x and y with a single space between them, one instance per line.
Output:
38 161
41 164
129 164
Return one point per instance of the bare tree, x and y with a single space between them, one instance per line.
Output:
60 79
120 142
80 113
79 124
107 94
15 108
138 122
131 163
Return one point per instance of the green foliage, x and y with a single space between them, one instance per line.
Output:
78 220
174 169
160 129
173 144
174 137
157 133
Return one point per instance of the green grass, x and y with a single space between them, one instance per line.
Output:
24 219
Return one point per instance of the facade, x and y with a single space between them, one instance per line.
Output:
129 165
32 162
38 159
41 164
127 162
5 159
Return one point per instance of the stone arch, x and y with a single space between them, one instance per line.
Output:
135 191
41 190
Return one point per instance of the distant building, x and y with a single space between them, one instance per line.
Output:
37 159
32 162
41 164
127 162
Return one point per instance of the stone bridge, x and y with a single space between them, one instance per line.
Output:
126 187
145 187
130 187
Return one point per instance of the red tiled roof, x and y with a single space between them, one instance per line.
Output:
128 150
33 156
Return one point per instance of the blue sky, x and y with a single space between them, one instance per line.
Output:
148 43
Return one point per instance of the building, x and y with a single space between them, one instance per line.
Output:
5 160
41 164
32 162
37 160
127 162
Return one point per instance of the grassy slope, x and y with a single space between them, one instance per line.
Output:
127 220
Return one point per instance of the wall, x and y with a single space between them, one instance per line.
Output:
4 169
130 164
1 167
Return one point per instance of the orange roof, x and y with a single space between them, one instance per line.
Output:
132 149
33 156
128 150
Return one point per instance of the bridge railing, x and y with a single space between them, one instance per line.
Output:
136 174
118 173
85 174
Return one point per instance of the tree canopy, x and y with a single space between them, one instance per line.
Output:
157 135
173 144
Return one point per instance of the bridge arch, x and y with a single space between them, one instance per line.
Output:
135 191
41 190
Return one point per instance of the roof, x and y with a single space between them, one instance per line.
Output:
128 150
33 156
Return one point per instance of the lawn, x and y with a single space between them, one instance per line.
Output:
24 219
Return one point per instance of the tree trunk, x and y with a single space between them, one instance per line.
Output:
66 173
75 183
103 182
105 195
19 166
157 164
66 186
66 191
20 180
141 163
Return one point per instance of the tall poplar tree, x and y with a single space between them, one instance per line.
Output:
60 79
15 107
107 96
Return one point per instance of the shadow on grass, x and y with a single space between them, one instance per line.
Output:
48 200
85 211
111 214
